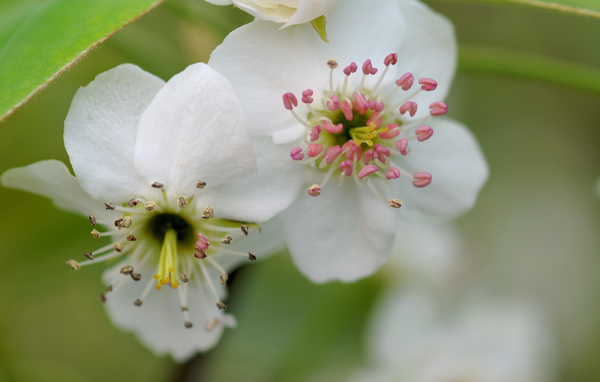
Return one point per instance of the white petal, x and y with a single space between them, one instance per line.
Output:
52 179
100 131
158 322
294 59
262 196
263 243
309 10
262 73
458 168
428 49
194 130
344 234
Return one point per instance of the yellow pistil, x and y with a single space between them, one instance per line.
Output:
366 134
168 261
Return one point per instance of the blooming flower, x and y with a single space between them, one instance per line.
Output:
356 126
286 12
411 338
154 164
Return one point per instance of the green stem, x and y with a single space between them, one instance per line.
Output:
528 65
543 4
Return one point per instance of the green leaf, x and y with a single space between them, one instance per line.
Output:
589 8
528 66
39 39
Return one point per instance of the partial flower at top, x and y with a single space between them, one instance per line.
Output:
359 122
155 164
286 12
412 338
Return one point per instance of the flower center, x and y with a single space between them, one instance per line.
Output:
159 224
173 235
358 132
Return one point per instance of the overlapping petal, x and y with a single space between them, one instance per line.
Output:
158 322
101 128
457 165
344 234
52 179
193 130
276 68
262 196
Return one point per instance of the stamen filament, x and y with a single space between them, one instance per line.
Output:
372 187
207 308
374 90
208 281
101 259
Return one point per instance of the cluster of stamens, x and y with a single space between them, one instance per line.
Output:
355 133
170 228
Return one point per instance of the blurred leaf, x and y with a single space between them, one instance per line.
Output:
290 329
39 39
579 7
220 19
528 65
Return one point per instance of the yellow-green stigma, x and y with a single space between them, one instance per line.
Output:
366 134
167 266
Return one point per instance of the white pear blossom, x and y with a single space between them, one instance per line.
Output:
155 163
286 12
356 127
412 338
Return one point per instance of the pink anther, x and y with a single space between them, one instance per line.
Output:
333 129
423 133
393 130
289 101
377 106
409 106
296 153
361 104
401 145
314 149
382 151
368 68
369 155
346 107
390 59
438 108
307 96
406 81
202 243
332 153
353 152
394 173
422 179
375 118
428 84
314 133
334 104
352 68
346 167
367 170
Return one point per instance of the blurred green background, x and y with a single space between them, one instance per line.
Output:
534 230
